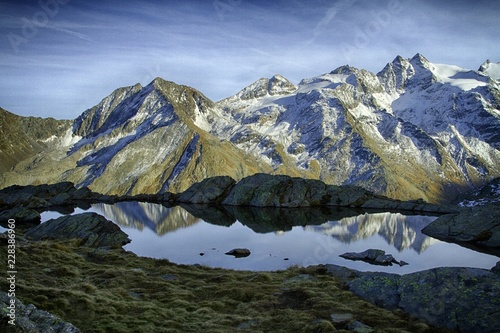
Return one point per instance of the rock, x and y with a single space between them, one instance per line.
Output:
43 196
210 190
383 203
341 318
30 319
496 269
359 327
263 190
442 297
92 229
24 217
239 253
60 199
455 298
372 256
380 289
479 225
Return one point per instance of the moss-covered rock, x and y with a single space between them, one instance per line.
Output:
93 230
461 299
478 225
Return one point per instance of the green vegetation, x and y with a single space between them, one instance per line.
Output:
116 291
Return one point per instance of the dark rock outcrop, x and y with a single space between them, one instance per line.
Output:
210 190
30 319
463 299
373 256
239 253
24 217
478 225
263 190
92 229
44 196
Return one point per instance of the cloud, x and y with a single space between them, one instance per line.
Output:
90 48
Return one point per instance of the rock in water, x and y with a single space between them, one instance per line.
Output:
239 253
373 256
92 229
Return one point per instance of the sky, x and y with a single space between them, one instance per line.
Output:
61 57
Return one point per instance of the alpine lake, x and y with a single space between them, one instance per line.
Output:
279 238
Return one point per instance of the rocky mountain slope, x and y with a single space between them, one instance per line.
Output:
414 130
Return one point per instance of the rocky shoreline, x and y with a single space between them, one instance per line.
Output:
413 294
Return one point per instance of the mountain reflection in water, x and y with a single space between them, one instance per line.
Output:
140 215
401 231
280 237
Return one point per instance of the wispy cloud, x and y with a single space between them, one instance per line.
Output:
90 48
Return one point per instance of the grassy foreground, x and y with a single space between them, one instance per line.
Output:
117 291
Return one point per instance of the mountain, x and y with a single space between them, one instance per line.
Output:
139 140
414 130
22 137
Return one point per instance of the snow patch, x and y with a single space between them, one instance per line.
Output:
459 77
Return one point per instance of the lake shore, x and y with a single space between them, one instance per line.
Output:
107 289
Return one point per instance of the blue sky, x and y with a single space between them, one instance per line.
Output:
61 57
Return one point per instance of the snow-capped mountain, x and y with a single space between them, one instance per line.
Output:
413 130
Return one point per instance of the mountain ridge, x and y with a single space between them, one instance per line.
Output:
413 130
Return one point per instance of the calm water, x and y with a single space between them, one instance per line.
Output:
279 238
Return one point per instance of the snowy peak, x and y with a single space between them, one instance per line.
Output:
275 86
395 74
420 74
491 69
279 85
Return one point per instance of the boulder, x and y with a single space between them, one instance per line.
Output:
479 225
24 217
92 229
30 319
239 253
210 190
372 256
462 299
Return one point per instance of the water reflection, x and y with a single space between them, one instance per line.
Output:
401 231
140 215
279 238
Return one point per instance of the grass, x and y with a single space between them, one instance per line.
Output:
117 291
